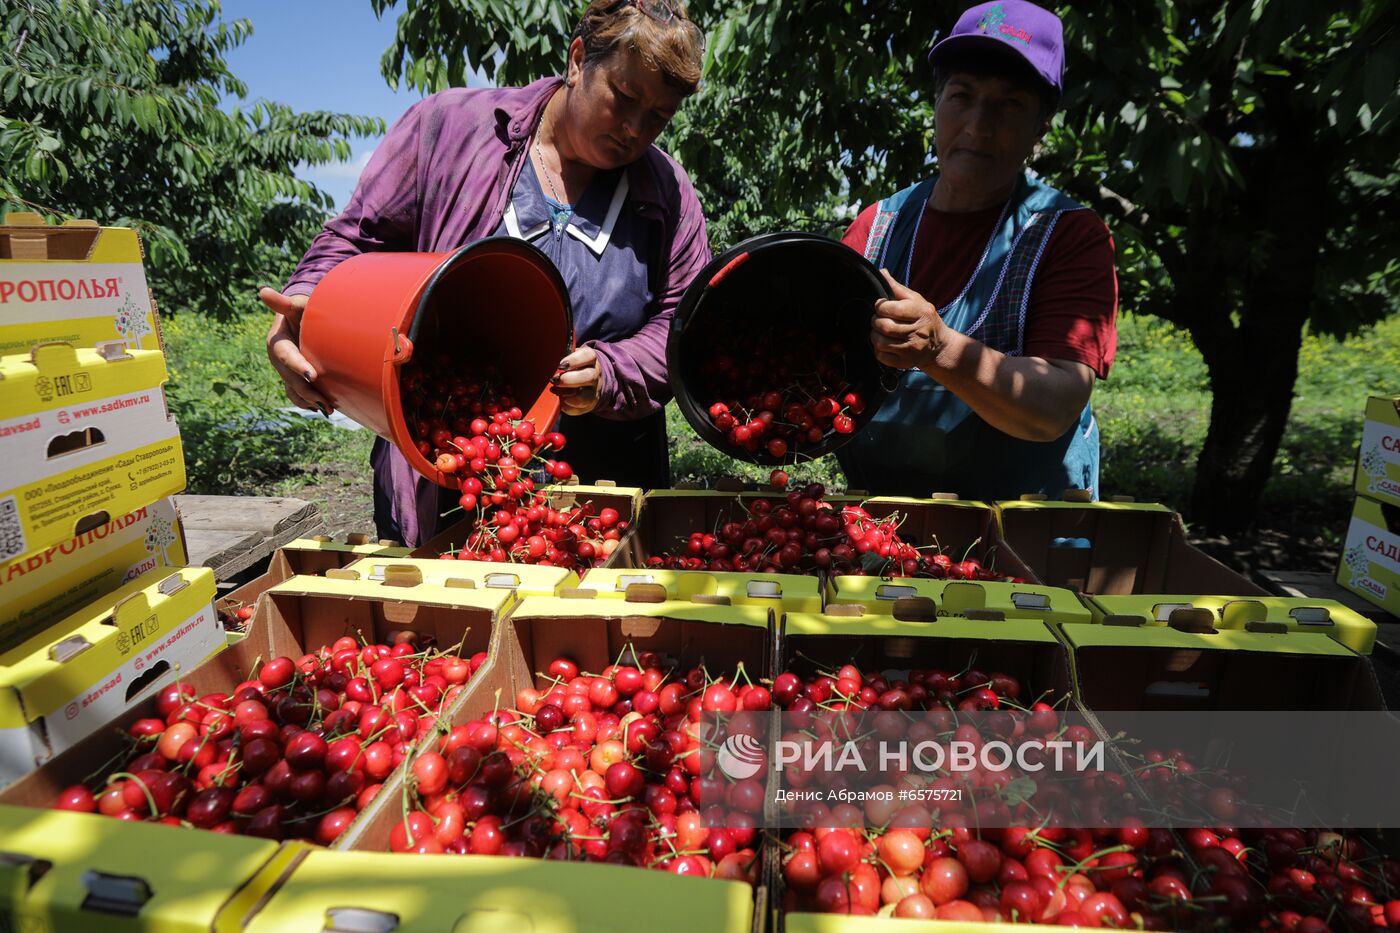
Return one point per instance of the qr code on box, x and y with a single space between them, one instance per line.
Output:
11 531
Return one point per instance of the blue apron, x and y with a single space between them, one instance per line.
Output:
924 438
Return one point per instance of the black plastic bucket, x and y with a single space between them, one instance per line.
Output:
811 287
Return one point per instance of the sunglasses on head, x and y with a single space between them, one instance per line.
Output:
663 11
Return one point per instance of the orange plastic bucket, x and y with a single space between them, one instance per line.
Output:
498 300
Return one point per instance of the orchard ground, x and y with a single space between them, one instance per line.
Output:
1153 412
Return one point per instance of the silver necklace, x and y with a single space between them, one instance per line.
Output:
539 154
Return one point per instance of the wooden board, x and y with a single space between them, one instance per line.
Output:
266 514
229 534
213 547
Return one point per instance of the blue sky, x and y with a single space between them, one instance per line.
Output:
320 55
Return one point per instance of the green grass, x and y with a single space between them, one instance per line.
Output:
227 400
1155 408
1153 413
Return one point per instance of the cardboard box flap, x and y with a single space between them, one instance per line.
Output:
940 498
428 594
353 544
1115 636
309 611
359 892
542 607
959 597
526 578
25 237
164 877
1013 504
1248 613
795 591
1027 630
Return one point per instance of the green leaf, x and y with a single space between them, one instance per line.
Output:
873 563
724 38
1020 791
1363 117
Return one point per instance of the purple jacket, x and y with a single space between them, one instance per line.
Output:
442 178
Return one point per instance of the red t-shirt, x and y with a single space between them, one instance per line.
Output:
1074 295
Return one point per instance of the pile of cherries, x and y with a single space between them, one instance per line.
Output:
804 533
296 751
782 408
923 865
607 767
470 427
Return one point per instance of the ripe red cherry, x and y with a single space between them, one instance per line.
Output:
944 880
838 852
76 798
981 859
623 780
431 773
276 673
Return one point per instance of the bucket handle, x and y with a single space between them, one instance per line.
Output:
401 349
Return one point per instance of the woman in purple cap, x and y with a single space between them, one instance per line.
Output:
567 164
1005 294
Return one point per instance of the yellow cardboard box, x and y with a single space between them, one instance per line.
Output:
980 600
913 635
309 557
1270 614
1112 548
1190 664
793 592
593 633
75 872
1378 461
41 587
667 517
85 435
524 579
1370 565
77 283
298 616
60 686
304 613
363 891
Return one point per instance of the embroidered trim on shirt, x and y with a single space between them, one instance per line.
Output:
1030 278
879 232
1001 275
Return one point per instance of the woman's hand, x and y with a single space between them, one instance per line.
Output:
297 375
906 331
576 382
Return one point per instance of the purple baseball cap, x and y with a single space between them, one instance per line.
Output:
1032 32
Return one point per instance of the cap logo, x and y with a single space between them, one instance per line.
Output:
994 21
